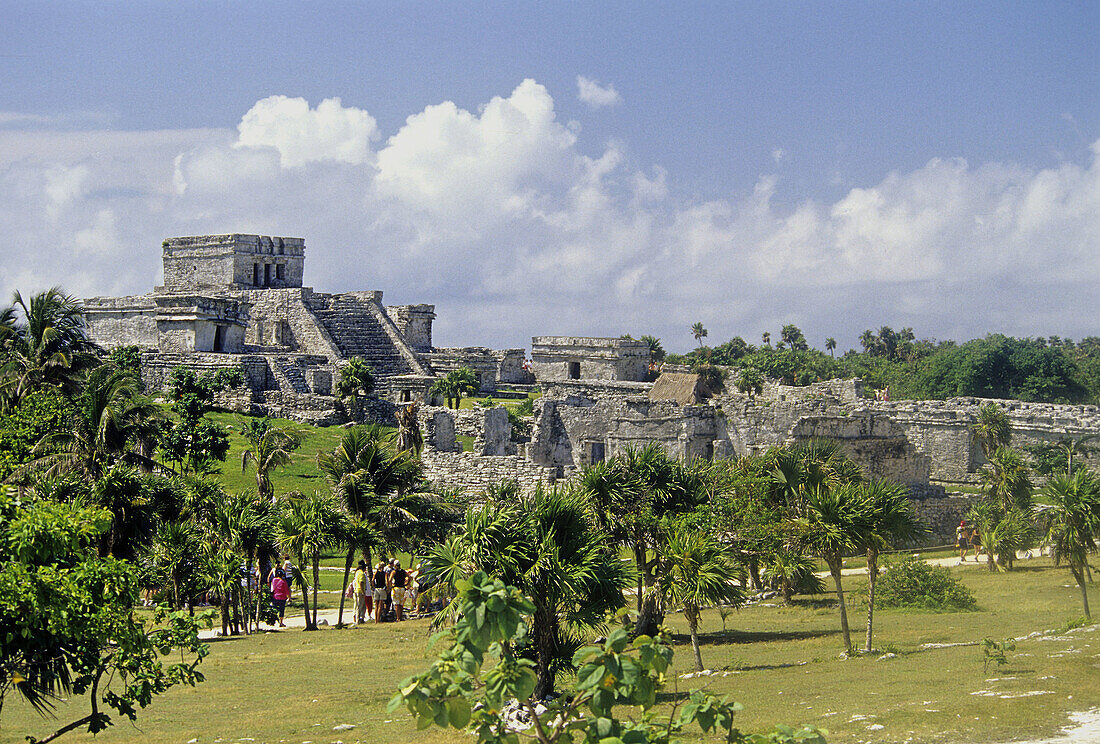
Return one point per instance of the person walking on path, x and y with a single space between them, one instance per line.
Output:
379 586
399 578
412 593
359 591
280 593
962 540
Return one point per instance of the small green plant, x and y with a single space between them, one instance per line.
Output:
724 613
912 583
1079 622
480 672
996 651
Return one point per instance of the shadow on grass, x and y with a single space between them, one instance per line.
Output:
722 637
223 639
671 697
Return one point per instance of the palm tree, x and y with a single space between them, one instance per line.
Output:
1078 447
830 345
307 524
111 419
893 521
356 378
232 528
699 332
992 429
837 521
656 351
267 447
696 571
375 484
1003 532
766 338
807 466
47 346
1072 524
174 546
870 343
546 546
630 495
750 381
1006 479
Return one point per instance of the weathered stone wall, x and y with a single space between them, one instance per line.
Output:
578 423
121 321
492 367
232 262
875 442
282 319
588 358
472 473
415 324
941 514
942 430
157 367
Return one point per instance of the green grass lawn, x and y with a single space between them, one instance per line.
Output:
782 664
300 475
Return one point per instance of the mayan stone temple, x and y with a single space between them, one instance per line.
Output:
238 301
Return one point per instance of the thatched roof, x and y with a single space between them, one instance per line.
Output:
683 387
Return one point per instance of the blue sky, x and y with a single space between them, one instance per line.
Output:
839 166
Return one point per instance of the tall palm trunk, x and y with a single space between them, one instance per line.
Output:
834 569
649 617
691 614
225 612
175 589
316 581
1079 577
311 622
343 592
639 561
872 578
546 642
753 564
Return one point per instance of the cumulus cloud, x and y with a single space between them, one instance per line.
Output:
504 221
595 95
303 135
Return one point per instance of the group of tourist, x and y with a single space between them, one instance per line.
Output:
379 595
383 593
967 536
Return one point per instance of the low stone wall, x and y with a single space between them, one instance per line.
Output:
471 473
942 516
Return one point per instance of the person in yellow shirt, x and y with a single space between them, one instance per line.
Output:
359 588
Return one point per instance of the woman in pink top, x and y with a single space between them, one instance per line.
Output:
280 593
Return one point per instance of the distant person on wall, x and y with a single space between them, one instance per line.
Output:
962 540
359 592
399 579
280 593
378 584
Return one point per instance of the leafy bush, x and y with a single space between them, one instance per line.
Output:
913 583
40 413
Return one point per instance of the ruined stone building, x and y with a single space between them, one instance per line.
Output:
239 301
928 446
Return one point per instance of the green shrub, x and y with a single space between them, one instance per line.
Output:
912 583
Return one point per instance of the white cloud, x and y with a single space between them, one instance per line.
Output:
595 95
502 220
303 135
